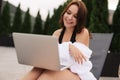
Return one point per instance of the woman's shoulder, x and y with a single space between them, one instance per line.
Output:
83 36
84 32
57 32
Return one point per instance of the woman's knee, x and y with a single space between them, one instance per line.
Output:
44 76
33 74
60 75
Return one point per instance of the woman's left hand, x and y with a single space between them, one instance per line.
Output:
76 54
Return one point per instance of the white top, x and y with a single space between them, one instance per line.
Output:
83 70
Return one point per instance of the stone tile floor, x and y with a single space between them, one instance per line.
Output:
9 67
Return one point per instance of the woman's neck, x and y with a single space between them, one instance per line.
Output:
69 30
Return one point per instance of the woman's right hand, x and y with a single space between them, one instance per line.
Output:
76 54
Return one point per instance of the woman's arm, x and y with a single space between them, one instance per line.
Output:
76 54
82 37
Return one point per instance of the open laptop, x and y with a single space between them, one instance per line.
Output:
38 51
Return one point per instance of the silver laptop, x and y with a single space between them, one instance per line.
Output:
38 51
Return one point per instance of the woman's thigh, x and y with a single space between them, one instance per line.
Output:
58 75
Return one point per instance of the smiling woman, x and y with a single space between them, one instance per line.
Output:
73 44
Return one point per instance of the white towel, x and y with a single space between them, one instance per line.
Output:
83 70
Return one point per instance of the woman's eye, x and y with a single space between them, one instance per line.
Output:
75 16
68 12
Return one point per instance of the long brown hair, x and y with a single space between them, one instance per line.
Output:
81 15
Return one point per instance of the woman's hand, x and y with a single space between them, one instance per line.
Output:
76 54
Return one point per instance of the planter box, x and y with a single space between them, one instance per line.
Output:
111 65
6 41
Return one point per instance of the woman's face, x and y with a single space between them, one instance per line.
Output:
70 16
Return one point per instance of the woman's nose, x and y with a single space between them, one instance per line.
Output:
70 17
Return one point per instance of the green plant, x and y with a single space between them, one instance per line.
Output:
46 25
99 17
26 26
6 20
115 46
17 23
37 29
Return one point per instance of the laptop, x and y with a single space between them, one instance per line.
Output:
38 51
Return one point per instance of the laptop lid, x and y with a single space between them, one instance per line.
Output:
37 50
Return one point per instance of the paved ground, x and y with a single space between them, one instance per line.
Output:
9 67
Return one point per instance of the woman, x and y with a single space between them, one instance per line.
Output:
75 37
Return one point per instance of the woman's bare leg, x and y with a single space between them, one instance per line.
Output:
60 75
33 74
